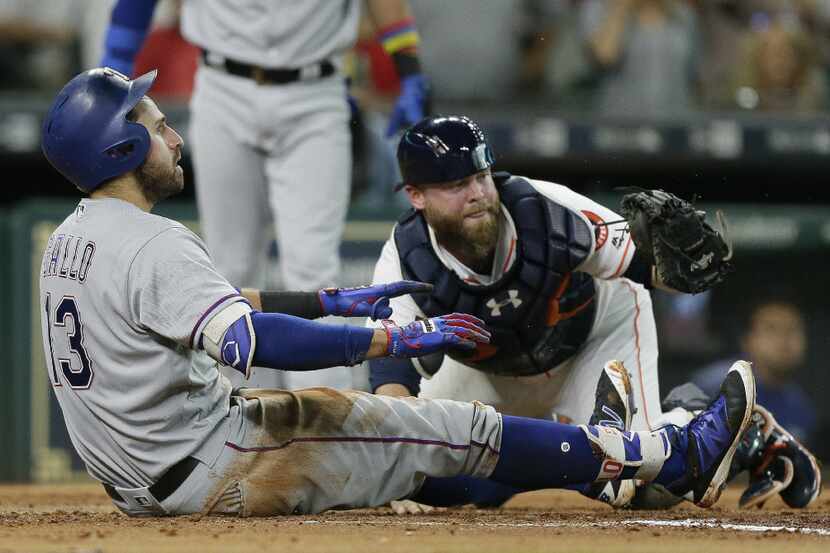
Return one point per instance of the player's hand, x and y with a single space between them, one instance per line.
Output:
409 507
411 105
368 301
457 330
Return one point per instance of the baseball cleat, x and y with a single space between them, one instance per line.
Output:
614 405
614 408
714 435
616 493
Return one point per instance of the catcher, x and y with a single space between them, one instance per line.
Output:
562 281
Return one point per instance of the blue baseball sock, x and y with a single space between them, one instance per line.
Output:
675 466
463 490
537 454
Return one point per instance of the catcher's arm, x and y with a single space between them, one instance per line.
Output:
687 254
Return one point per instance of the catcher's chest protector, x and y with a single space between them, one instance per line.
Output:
540 312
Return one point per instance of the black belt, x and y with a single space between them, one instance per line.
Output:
167 484
263 75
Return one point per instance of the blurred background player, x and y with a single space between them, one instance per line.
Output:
269 127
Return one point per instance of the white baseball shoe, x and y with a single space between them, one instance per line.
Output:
614 408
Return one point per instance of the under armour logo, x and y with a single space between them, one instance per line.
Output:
231 349
703 262
512 299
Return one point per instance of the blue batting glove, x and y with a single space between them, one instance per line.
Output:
367 301
411 104
437 334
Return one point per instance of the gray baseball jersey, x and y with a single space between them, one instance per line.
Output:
272 33
123 296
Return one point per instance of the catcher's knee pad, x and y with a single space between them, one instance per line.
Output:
229 337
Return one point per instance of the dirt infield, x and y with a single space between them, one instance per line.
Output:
80 519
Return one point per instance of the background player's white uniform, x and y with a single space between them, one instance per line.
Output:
125 296
276 153
623 328
280 146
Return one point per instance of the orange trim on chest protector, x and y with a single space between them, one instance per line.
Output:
554 315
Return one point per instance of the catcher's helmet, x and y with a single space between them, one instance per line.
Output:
441 149
86 135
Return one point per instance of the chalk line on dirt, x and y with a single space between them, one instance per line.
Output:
683 523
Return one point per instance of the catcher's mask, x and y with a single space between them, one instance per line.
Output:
86 135
442 149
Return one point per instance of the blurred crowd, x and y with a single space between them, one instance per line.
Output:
621 58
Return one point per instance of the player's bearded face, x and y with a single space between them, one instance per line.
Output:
473 228
160 176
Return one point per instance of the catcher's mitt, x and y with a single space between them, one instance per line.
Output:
690 256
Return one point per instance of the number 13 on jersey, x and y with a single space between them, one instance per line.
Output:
75 364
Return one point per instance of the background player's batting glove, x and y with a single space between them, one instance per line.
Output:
367 301
412 104
418 338
689 255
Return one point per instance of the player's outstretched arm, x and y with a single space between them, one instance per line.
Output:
363 301
241 338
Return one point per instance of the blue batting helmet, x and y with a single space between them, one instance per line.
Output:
86 135
441 149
